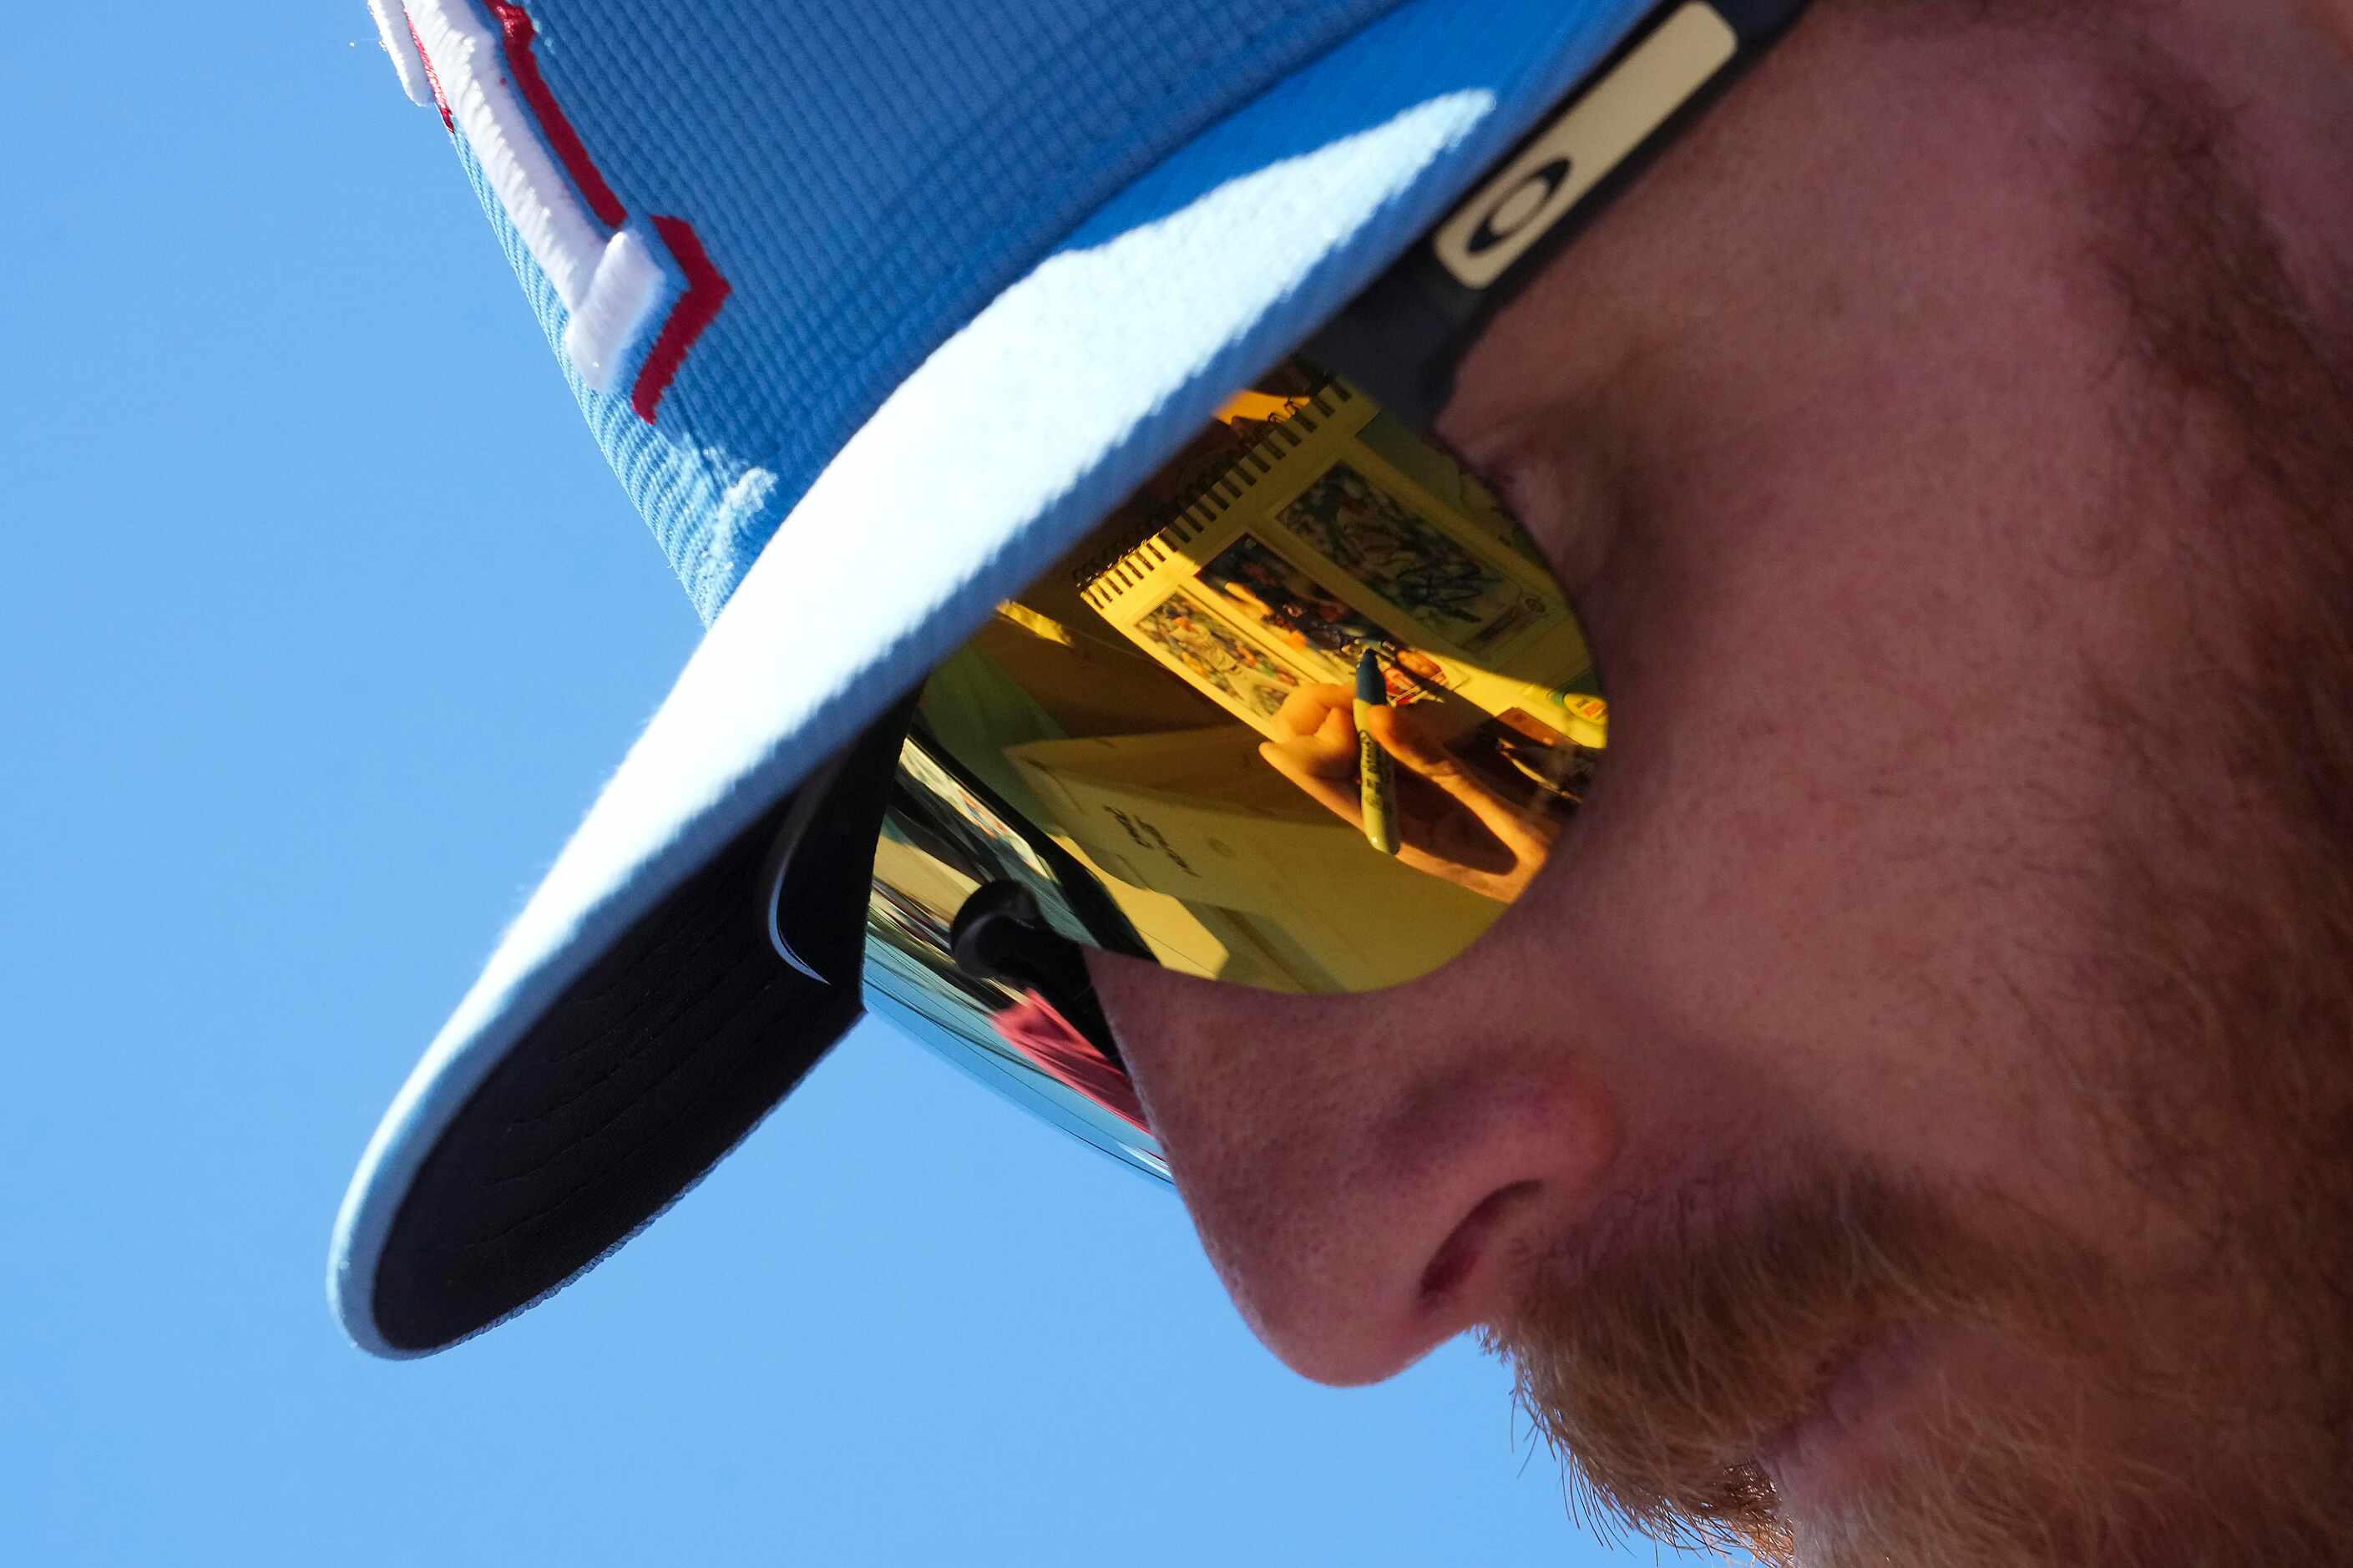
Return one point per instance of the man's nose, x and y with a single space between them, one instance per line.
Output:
1370 1174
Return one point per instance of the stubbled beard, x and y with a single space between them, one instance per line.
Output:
2222 1088
1671 1366
2219 1086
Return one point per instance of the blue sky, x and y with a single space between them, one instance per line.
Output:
322 621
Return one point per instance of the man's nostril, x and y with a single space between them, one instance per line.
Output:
1460 1252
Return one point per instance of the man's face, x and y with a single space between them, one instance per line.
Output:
1909 1110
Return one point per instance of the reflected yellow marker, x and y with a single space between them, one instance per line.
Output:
1375 774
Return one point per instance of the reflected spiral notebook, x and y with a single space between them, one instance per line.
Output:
1301 532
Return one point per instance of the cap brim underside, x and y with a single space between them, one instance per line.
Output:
630 1085
635 1022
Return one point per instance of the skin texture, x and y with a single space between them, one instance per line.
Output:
1907 1113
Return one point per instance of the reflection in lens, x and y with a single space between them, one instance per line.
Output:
943 838
1161 737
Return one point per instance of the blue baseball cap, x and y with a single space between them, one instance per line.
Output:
874 311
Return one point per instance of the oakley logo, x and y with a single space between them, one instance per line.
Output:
1609 121
1520 206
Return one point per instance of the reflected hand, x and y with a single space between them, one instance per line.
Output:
1450 824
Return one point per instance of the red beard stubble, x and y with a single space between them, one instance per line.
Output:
2202 1414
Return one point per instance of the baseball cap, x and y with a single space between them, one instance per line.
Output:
876 312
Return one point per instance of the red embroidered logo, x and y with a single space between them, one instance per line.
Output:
602 265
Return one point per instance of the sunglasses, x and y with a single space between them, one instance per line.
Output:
1304 713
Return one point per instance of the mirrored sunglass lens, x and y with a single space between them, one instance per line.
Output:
1304 713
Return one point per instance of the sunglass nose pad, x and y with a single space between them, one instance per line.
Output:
1001 934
